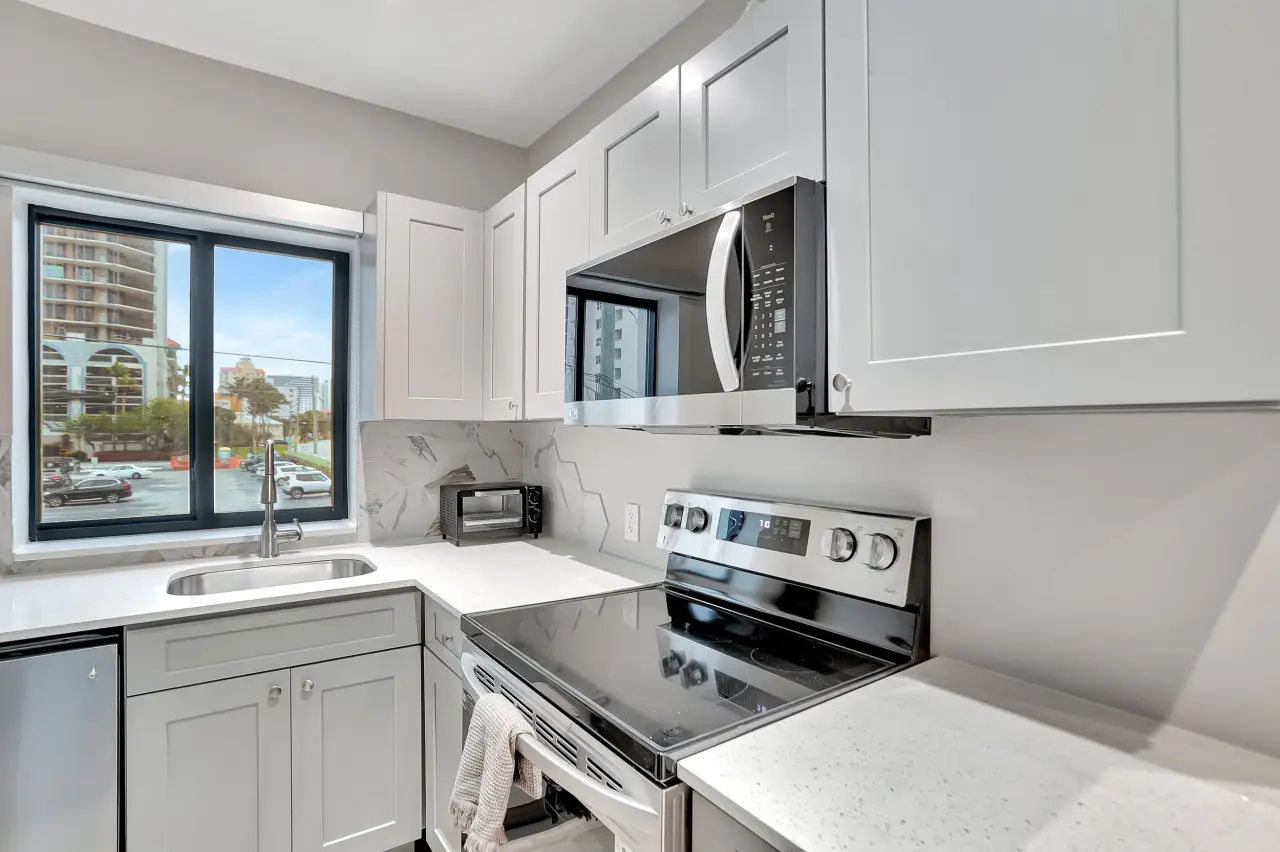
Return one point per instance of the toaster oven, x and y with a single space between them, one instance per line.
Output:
477 512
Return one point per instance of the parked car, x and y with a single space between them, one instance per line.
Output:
119 471
298 485
92 490
253 462
53 480
282 469
61 465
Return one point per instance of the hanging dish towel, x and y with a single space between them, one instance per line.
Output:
489 767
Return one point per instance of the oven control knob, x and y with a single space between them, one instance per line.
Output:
881 552
695 520
839 544
673 515
694 674
672 663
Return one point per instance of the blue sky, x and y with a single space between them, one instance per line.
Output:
274 308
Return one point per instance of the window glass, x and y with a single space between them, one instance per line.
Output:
273 368
110 388
570 346
625 363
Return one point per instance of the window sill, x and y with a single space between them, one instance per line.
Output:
316 534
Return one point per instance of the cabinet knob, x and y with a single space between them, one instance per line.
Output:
663 218
308 685
685 209
840 382
275 692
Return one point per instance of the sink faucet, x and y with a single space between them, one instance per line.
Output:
269 542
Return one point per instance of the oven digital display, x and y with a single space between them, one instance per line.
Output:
770 532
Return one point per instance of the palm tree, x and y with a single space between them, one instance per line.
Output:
122 378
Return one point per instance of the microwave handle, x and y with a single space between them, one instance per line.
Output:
625 817
717 301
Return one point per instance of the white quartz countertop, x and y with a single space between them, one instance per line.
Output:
946 756
463 579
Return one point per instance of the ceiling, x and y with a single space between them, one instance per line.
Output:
507 69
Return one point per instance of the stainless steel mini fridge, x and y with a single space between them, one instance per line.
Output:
60 745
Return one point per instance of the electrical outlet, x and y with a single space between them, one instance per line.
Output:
631 523
631 610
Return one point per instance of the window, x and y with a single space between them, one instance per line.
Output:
217 344
597 359
84 273
617 372
617 352
598 322
617 334
84 253
625 368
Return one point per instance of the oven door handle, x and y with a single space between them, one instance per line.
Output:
636 824
717 300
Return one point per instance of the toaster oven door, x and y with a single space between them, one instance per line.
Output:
492 511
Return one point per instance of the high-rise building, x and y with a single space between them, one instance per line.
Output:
616 343
244 369
303 392
104 302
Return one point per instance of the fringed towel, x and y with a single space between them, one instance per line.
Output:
489 767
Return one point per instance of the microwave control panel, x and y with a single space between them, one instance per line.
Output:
769 249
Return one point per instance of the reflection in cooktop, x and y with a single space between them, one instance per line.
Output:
672 668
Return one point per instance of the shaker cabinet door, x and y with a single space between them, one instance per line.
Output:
442 750
503 362
559 238
751 106
357 753
207 767
1043 204
431 290
635 167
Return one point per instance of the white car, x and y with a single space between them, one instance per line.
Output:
118 471
299 485
282 470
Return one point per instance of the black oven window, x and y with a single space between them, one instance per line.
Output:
618 361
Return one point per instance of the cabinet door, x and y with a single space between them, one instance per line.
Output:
635 167
751 106
558 229
1040 204
357 753
503 384
432 278
442 750
207 767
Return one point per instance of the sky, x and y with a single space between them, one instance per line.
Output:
276 309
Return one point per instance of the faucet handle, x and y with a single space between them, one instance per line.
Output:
293 533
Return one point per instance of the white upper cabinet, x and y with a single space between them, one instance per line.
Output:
504 238
422 275
635 167
559 238
751 106
1041 203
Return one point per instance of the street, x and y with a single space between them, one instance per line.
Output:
165 493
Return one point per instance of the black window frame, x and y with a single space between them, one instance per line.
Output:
202 514
578 309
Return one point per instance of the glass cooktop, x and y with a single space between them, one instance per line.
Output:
662 666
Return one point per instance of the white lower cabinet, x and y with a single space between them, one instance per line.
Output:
442 750
324 756
357 753
207 768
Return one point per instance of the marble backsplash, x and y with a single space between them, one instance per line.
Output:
405 463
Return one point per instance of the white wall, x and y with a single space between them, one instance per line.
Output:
1131 559
695 32
78 90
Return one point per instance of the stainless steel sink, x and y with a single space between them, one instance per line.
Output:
264 576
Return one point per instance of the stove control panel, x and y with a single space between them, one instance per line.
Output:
861 553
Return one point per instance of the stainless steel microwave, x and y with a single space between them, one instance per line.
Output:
718 324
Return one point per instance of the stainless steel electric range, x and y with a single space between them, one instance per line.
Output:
767 608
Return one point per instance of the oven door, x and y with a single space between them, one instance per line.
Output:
633 811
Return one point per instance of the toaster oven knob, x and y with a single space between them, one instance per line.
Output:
881 552
840 545
672 663
673 515
695 520
535 514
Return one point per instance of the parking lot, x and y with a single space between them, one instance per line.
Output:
165 493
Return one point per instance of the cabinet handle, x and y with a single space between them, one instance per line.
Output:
308 685
685 209
446 638
663 218
274 692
